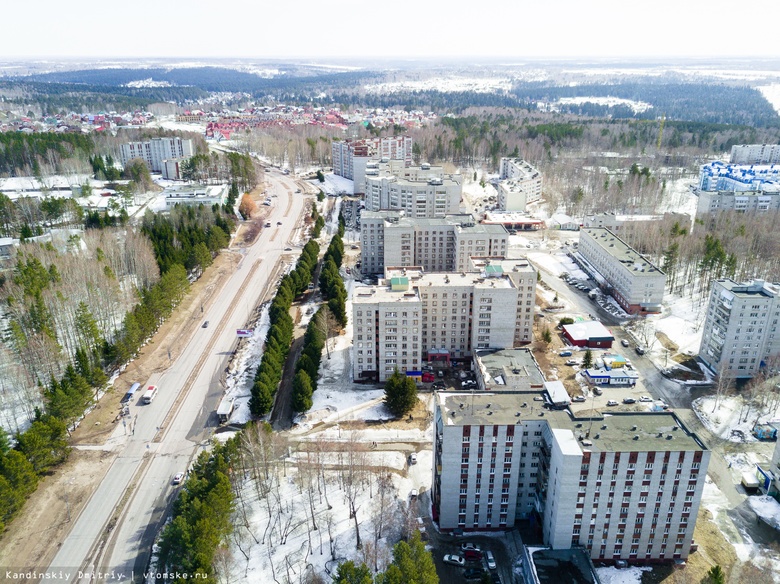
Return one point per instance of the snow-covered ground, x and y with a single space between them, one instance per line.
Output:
556 264
681 321
772 94
445 85
630 575
636 106
679 198
732 419
334 185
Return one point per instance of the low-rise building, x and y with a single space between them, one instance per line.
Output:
632 279
612 376
507 370
196 195
624 487
588 333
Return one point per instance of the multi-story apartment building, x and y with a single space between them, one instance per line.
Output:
719 176
423 191
457 314
755 154
626 487
740 335
739 201
519 184
389 238
155 151
632 279
350 157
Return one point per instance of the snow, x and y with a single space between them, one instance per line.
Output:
681 321
334 185
445 85
557 264
636 106
767 509
630 575
772 94
241 371
679 198
732 420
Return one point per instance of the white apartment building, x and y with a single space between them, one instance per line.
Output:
755 154
422 191
458 314
636 284
196 195
519 184
389 238
739 201
627 486
350 157
719 176
155 151
740 334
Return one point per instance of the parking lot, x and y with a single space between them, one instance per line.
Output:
476 565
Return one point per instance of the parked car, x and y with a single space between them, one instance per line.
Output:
612 402
413 494
470 546
565 354
268 224
206 324
490 560
278 222
572 362
597 390
428 377
462 374
439 385
287 249
624 342
354 247
413 458
640 350
473 573
454 560
472 555
578 398
469 383
178 478
645 398
629 400
440 373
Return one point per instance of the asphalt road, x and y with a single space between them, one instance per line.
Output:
115 529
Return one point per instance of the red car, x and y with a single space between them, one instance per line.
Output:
472 555
428 377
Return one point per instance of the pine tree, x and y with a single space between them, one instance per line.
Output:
587 359
400 393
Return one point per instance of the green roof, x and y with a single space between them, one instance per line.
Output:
493 269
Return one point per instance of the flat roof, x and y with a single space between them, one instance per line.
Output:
372 294
569 566
510 370
603 432
587 329
750 289
631 259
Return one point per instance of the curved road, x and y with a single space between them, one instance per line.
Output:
115 530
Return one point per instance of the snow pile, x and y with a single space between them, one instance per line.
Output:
767 509
613 575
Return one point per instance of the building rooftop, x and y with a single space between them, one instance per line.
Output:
572 566
587 329
509 370
372 294
603 432
631 259
479 263
501 217
750 289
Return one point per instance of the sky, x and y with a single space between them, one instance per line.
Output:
399 28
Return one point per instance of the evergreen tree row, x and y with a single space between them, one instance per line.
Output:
307 366
279 338
23 152
201 515
331 284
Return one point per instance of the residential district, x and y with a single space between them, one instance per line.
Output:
596 463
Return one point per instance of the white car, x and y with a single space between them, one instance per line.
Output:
178 478
612 402
454 560
645 398
468 546
413 458
490 560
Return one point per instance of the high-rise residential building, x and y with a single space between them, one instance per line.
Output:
740 335
626 486
422 191
390 238
519 184
412 315
739 201
719 176
155 151
632 279
755 154
350 157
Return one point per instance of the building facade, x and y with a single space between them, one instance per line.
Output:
389 238
196 195
740 335
626 487
423 191
636 284
350 157
755 154
719 176
155 151
739 201
456 314
519 184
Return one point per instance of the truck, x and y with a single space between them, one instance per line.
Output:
150 394
749 482
225 409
